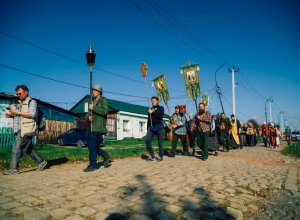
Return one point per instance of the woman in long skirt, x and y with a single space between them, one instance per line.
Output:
213 138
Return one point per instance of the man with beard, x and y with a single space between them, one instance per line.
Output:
203 120
235 134
225 131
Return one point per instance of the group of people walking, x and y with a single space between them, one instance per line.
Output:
209 132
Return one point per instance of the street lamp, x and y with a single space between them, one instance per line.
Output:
280 122
90 59
266 111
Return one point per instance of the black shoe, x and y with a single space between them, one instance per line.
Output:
216 153
227 150
171 155
89 169
106 162
241 147
194 151
184 154
204 159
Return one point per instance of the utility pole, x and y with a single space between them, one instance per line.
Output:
233 88
270 100
218 88
282 124
266 114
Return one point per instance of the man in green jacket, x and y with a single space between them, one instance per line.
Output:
97 116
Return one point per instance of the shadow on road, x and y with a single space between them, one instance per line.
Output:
54 162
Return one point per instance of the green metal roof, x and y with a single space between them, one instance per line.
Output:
116 106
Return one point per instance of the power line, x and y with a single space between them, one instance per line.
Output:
170 32
57 54
189 35
71 84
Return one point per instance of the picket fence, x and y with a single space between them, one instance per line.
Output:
7 137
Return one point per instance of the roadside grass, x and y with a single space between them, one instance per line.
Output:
73 154
292 150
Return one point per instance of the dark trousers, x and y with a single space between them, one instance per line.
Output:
225 140
192 138
175 138
94 141
149 136
21 146
202 141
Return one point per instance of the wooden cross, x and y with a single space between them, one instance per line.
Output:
144 68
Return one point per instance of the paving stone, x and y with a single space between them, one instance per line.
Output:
85 211
190 215
102 206
20 210
59 213
75 217
165 216
10 205
36 215
237 214
139 217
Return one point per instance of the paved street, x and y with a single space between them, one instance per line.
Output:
225 187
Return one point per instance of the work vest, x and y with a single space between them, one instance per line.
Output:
28 125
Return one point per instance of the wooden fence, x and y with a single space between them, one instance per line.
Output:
7 137
48 136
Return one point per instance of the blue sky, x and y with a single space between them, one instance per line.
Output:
50 39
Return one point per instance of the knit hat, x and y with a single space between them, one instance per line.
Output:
98 88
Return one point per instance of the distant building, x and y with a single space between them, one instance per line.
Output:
123 121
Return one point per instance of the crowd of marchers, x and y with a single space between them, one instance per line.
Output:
213 133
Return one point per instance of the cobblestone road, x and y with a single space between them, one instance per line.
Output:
225 187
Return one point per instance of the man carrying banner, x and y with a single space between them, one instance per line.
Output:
155 127
203 120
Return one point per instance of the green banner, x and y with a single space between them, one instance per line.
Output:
205 100
192 82
161 88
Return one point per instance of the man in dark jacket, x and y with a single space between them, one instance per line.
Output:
97 116
155 127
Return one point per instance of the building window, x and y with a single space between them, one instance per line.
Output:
110 125
86 107
126 125
142 126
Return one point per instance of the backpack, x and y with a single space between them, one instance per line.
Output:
41 119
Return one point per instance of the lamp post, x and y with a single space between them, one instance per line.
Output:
233 88
90 59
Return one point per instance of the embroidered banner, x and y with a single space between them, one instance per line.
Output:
205 100
192 82
161 88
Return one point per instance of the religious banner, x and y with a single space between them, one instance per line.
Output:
191 78
161 88
205 100
182 108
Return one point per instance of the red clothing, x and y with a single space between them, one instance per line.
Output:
265 130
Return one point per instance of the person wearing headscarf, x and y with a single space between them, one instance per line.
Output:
213 139
273 135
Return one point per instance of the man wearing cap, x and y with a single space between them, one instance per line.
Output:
178 121
97 116
155 127
265 133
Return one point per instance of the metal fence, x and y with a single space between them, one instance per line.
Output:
7 137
